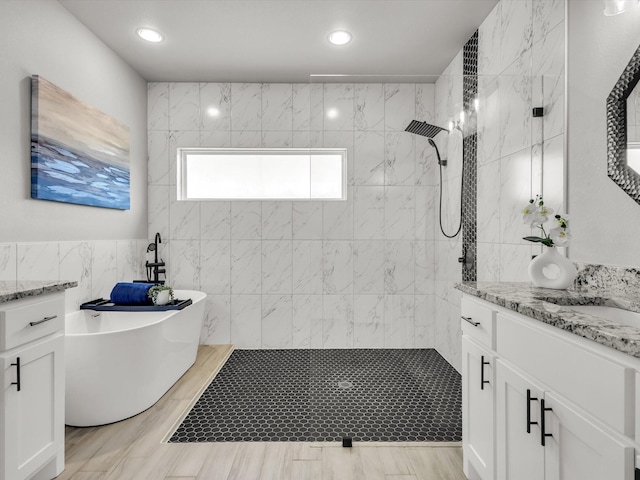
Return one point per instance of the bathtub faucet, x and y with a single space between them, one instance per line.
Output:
154 268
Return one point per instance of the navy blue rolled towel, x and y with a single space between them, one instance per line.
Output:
131 293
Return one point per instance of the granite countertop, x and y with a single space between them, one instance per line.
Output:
537 303
30 288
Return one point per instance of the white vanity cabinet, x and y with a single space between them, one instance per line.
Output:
562 407
32 401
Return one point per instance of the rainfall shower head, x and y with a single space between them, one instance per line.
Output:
425 129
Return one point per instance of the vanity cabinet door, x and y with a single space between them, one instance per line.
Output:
519 454
580 448
477 410
33 417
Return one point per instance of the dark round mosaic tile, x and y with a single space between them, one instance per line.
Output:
294 395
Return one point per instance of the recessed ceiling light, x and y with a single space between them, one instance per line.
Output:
340 37
332 113
150 35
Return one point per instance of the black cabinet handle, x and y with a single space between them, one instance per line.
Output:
529 399
17 365
482 380
470 320
544 435
45 319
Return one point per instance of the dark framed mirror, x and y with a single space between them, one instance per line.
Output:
623 133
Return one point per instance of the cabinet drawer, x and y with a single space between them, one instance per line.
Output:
478 321
30 319
583 377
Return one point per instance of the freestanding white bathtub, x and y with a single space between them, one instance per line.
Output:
118 364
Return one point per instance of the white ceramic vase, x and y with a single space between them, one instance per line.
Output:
162 298
552 270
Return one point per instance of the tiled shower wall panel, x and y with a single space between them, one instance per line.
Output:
520 66
306 274
97 265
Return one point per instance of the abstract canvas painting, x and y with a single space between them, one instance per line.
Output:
78 153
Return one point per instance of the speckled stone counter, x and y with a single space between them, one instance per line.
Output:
15 290
537 303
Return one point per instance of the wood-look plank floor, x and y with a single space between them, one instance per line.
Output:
136 448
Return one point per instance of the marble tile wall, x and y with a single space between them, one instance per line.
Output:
96 265
304 274
520 66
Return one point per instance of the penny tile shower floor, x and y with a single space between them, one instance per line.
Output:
325 395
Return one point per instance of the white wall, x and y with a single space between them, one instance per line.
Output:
357 273
605 221
42 38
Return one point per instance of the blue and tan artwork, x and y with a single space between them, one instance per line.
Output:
78 153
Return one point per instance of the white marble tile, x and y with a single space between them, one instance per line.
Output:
553 174
307 220
368 321
157 106
246 106
338 106
425 267
277 107
127 260
215 220
158 164
246 139
489 133
515 105
246 267
38 261
489 43
368 267
216 324
277 276
337 267
488 203
548 83
8 262
184 219
368 158
215 107
369 106
308 106
276 220
399 159
215 139
424 212
399 267
307 267
307 319
488 262
399 318
178 139
399 106
368 212
276 139
517 30
514 263
515 192
441 321
341 139
337 324
399 213
547 14
103 269
424 321
246 321
184 264
246 220
337 218
75 265
158 210
308 139
425 102
277 316
215 266
184 106
453 350
426 169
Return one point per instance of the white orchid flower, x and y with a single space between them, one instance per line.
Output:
560 236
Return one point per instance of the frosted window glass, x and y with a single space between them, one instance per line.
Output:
211 174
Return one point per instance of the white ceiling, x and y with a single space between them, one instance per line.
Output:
283 40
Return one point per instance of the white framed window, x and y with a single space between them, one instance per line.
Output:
262 173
